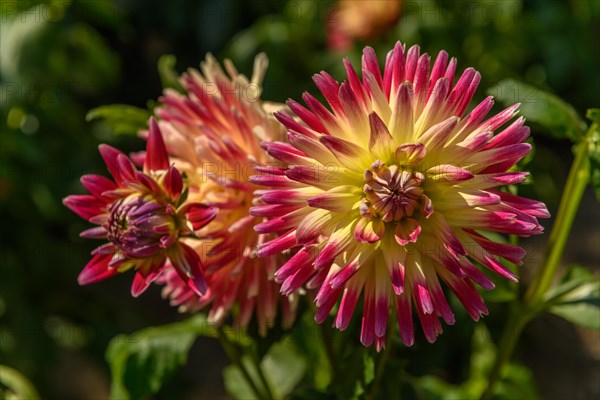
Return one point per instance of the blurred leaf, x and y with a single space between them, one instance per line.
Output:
516 383
369 368
502 293
310 341
593 114
577 298
585 313
235 382
541 107
14 385
576 284
168 75
141 362
123 119
283 367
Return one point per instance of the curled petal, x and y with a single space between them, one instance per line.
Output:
157 158
85 206
97 269
407 231
187 264
173 183
199 214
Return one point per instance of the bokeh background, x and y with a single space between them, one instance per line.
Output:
59 59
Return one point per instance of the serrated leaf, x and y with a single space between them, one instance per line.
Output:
123 119
593 114
168 75
541 107
141 362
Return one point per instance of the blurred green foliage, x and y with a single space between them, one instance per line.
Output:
61 58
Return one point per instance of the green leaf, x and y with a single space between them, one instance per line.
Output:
586 314
310 339
283 367
577 298
516 381
541 107
14 385
576 284
235 383
168 75
369 368
123 119
141 362
593 114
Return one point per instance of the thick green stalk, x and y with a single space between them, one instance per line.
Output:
569 204
520 314
236 358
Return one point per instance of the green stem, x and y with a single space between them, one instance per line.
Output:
508 340
262 377
569 204
520 314
383 359
330 351
236 358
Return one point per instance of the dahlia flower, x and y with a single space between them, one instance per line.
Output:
391 191
141 215
213 133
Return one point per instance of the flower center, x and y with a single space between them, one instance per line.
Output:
393 193
141 226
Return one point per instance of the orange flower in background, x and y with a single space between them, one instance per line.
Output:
391 191
213 134
360 20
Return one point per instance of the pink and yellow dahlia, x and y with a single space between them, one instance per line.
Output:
390 191
142 216
213 133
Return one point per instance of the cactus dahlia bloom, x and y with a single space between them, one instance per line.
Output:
141 215
213 133
388 194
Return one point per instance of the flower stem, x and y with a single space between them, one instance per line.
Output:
508 340
569 204
383 359
236 358
330 351
520 314
262 377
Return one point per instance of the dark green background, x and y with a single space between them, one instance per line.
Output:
59 60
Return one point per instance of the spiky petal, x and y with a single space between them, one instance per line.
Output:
140 215
388 193
213 133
